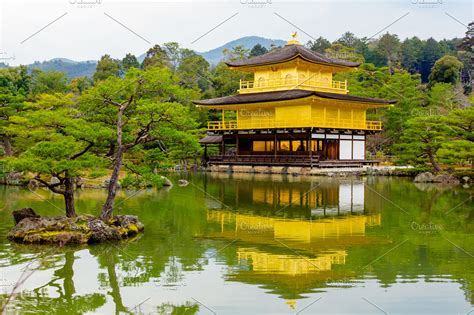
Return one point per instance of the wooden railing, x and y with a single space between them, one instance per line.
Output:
293 83
266 159
268 123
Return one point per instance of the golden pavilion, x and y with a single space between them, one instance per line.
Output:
292 113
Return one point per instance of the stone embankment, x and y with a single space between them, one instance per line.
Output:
334 171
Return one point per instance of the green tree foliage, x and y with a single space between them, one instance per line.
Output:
411 52
226 81
457 152
60 144
339 51
129 61
389 45
48 82
421 139
145 109
194 72
445 69
460 149
449 139
374 55
466 55
79 84
402 86
442 98
174 53
236 53
258 50
156 56
348 40
14 88
319 45
430 52
106 67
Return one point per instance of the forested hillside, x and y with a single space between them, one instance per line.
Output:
430 126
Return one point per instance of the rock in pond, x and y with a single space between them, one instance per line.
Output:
166 182
446 179
183 183
83 229
24 213
425 177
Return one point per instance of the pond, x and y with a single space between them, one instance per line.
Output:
255 244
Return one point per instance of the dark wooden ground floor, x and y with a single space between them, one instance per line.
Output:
304 148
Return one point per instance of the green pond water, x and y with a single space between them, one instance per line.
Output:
248 244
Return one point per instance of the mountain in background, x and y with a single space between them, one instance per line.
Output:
215 55
87 68
72 68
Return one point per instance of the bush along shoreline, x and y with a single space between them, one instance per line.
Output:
90 182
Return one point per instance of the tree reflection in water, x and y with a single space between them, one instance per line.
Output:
291 236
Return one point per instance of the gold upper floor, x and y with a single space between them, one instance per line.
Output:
292 74
293 87
311 112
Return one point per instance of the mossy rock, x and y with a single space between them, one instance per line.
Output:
84 229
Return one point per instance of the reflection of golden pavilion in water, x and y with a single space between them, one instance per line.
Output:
293 256
317 198
300 234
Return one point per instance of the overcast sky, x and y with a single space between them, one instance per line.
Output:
87 31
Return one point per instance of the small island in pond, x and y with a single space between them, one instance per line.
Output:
83 229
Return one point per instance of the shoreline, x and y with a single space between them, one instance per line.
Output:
402 171
463 175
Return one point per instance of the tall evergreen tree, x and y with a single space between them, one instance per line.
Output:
258 50
129 61
106 67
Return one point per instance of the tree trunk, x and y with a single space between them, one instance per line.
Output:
111 150
69 197
433 162
107 209
7 146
